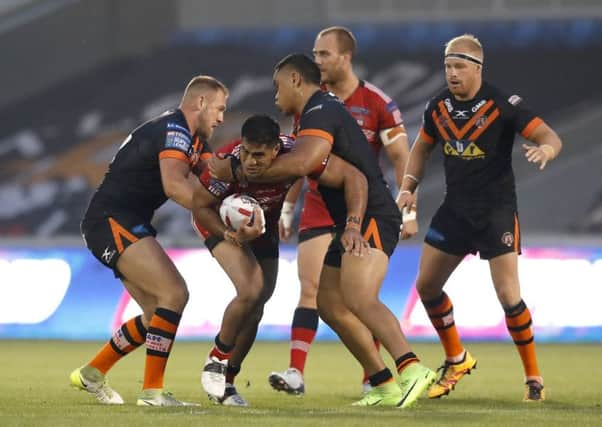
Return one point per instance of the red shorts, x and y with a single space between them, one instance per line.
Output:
314 213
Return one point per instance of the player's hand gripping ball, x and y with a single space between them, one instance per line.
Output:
237 210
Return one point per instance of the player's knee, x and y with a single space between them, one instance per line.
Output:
360 305
309 288
426 290
177 298
508 296
251 294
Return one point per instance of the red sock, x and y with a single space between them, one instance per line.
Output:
303 332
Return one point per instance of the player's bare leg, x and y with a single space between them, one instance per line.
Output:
241 266
146 265
310 258
155 284
435 268
504 272
246 337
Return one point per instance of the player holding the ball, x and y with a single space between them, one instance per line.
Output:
249 255
348 291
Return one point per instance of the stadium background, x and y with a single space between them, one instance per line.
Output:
78 75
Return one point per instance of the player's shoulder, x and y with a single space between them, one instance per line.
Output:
232 147
170 121
442 95
500 96
287 142
322 106
374 92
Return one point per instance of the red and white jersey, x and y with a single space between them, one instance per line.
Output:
269 195
374 111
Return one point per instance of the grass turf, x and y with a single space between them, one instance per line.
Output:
34 389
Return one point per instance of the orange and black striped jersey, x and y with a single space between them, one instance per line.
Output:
133 180
326 117
477 138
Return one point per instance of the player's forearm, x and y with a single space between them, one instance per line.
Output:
355 187
548 141
181 191
287 166
208 218
415 167
293 193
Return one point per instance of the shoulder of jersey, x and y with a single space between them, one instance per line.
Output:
233 147
369 87
287 142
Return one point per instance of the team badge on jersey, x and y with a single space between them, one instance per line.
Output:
515 100
507 239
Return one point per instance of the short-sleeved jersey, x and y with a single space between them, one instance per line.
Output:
476 137
269 195
133 180
326 117
374 112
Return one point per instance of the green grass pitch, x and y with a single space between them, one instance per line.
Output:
35 391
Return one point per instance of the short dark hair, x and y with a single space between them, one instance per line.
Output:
302 64
261 129
345 38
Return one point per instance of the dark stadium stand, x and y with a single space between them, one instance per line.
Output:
54 146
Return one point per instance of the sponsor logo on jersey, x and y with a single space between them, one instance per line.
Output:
217 187
464 149
515 100
461 114
448 105
140 228
354 109
392 106
108 255
178 140
478 105
171 125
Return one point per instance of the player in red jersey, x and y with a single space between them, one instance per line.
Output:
153 164
475 124
382 124
248 256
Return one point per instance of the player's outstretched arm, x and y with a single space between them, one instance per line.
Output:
341 174
176 183
303 159
548 146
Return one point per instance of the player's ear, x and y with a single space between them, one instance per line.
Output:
295 79
201 102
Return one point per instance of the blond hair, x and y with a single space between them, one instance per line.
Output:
203 84
465 43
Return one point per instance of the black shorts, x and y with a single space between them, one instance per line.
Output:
310 233
491 230
108 237
265 246
380 232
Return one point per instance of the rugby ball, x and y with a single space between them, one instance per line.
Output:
237 210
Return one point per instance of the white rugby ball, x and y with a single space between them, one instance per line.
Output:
237 209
